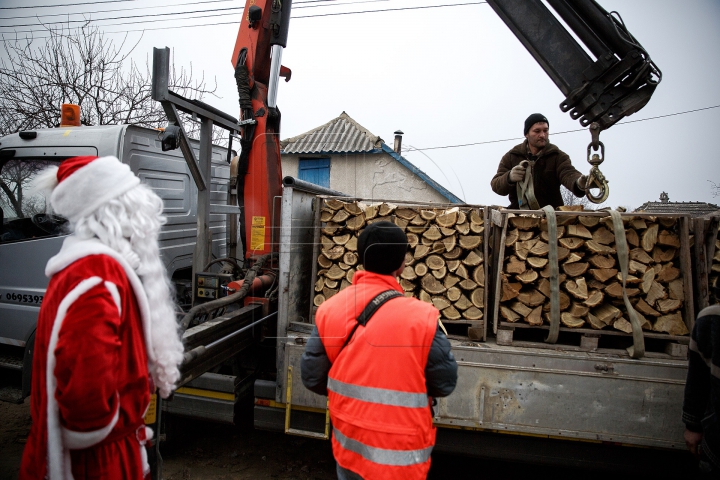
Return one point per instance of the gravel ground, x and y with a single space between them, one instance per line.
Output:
198 450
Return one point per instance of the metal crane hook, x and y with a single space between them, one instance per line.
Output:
596 179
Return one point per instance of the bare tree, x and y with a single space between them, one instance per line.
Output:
82 66
714 188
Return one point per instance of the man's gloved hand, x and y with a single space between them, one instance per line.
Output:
582 182
517 174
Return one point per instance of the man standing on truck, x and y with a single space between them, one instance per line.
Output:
106 331
701 405
531 173
379 364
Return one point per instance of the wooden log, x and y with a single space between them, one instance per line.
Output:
632 238
595 322
515 266
448 219
601 261
668 273
463 228
462 272
537 262
531 297
603 236
408 273
425 296
421 269
668 239
453 294
668 305
676 289
449 231
622 325
511 237
441 303
577 288
564 302
606 313
350 258
407 285
428 214
629 280
463 303
478 275
535 317
588 221
575 269
638 223
449 243
324 262
453 254
335 272
452 265
578 310
643 307
421 251
477 297
544 236
571 243
508 314
355 223
333 203
328 293
636 267
520 308
473 313
672 324
468 284
318 299
418 221
350 274
525 222
599 248
435 262
540 249
661 256
529 276
656 292
595 298
386 209
431 285
525 236
667 222
522 249
468 242
439 273
451 313
451 280
579 231
615 290
433 233
603 274
639 255
472 259
571 321
649 238
326 215
571 208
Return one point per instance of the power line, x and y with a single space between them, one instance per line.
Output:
227 23
66 4
567 131
112 11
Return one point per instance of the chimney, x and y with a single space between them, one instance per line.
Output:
398 141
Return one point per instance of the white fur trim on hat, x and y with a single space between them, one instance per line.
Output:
88 188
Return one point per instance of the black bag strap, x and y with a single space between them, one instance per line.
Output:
370 310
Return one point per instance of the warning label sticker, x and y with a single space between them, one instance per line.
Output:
257 234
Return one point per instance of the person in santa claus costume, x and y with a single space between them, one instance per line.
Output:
106 333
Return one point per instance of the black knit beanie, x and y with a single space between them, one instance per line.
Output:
382 247
533 119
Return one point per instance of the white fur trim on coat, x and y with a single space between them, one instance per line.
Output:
91 186
78 440
58 454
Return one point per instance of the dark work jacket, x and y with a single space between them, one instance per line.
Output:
701 405
552 169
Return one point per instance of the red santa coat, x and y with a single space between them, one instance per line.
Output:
90 386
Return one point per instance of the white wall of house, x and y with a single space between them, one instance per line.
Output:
372 176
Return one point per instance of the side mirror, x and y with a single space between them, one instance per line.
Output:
170 138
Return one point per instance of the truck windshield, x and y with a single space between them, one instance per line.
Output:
24 212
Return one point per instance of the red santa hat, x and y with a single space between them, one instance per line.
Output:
86 183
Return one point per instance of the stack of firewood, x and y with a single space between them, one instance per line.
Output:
444 265
715 270
590 281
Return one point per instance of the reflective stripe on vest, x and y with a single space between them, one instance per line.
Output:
381 396
397 458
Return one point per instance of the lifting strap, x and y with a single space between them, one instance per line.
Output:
638 348
526 189
554 275
369 311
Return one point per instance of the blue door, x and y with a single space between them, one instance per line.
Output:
315 170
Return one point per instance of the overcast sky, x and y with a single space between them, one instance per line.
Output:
449 76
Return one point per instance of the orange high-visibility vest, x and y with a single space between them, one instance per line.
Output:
380 411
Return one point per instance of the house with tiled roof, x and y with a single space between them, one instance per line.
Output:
693 209
346 157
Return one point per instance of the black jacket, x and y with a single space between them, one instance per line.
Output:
440 370
701 405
